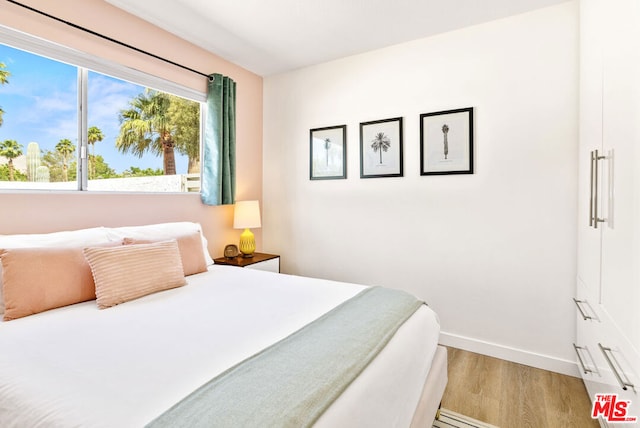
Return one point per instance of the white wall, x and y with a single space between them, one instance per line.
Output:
494 252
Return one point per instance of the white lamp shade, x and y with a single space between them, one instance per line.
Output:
246 215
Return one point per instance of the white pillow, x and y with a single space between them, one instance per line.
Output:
161 231
68 238
71 238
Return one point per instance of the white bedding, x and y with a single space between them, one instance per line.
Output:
123 366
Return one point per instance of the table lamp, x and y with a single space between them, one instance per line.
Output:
246 215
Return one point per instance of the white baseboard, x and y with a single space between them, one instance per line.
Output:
528 358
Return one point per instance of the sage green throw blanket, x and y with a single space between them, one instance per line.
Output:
291 383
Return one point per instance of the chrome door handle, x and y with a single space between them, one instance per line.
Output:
624 384
593 200
585 369
584 315
591 186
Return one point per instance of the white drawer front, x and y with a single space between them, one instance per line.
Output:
600 345
272 265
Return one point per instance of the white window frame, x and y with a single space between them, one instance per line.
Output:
86 62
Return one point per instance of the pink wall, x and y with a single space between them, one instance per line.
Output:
51 211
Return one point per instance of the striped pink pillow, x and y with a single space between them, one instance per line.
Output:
132 271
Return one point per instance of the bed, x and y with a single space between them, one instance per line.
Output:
135 362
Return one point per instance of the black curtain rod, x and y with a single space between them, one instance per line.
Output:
102 36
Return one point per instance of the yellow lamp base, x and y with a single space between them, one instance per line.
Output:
247 243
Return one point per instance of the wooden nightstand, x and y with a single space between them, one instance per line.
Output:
259 261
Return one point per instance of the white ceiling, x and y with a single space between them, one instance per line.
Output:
273 36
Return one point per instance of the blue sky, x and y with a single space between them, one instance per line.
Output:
40 105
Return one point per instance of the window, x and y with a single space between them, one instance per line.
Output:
128 136
39 113
140 139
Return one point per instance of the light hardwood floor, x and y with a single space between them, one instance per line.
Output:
512 395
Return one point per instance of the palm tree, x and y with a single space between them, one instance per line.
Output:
65 147
10 149
380 142
327 146
445 131
147 126
184 116
94 134
4 79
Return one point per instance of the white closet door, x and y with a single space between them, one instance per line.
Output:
589 238
620 285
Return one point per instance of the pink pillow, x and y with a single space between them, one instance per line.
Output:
38 279
161 232
72 238
191 253
131 271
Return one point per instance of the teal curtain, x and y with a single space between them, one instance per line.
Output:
218 184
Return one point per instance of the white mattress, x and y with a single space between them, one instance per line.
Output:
123 366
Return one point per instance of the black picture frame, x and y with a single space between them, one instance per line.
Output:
381 148
328 153
446 142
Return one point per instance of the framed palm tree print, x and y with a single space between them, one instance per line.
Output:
381 148
328 153
446 142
